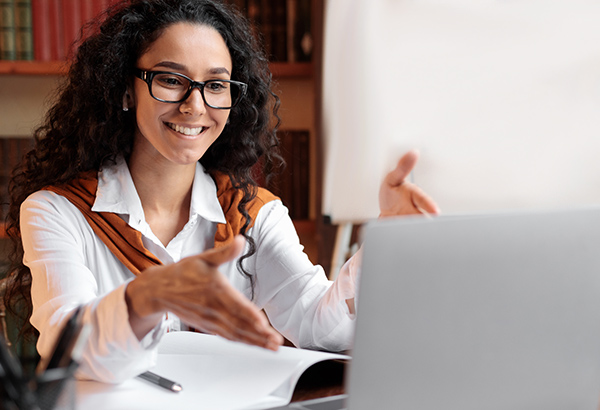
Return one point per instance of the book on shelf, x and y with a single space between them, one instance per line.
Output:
23 30
264 25
7 30
290 24
253 14
302 37
279 30
40 9
45 30
292 184
88 12
71 23
99 6
284 26
57 47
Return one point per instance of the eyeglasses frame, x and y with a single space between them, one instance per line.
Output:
147 76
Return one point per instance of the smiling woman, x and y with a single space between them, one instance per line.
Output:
159 135
138 198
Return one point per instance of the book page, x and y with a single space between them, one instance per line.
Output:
215 374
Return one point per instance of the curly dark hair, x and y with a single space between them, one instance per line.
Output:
87 126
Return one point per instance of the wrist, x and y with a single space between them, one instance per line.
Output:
140 300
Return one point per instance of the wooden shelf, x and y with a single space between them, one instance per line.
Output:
280 70
33 67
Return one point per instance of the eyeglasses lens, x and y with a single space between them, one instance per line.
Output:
173 88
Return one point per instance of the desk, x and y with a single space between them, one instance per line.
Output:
320 381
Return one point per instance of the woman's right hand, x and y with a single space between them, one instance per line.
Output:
195 291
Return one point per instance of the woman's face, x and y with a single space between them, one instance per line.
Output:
181 133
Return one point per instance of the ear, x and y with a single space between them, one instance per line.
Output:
127 100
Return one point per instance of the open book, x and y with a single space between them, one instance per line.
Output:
214 373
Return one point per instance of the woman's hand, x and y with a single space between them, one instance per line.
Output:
400 197
200 296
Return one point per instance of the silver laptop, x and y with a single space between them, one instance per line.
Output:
481 312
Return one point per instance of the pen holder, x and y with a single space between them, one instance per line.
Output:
52 390
55 389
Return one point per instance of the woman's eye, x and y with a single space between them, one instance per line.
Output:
216 87
169 81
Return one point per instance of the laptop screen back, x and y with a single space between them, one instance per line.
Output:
485 312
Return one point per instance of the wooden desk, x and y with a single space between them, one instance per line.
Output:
318 392
321 380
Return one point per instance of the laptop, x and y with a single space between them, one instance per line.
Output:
496 311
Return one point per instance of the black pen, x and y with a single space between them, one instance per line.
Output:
67 340
161 381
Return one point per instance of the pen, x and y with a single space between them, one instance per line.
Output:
61 356
161 381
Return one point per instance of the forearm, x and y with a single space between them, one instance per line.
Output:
313 312
301 303
112 353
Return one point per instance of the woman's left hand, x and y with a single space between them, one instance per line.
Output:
400 197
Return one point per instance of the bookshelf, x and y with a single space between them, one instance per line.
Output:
36 36
295 83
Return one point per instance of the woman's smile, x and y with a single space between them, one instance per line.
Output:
180 133
189 131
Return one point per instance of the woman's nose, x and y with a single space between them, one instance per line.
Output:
194 104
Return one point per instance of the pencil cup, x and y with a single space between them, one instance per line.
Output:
55 390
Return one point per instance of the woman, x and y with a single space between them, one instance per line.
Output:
138 198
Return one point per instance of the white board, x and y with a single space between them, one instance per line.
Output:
501 97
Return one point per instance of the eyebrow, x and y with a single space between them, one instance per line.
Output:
177 66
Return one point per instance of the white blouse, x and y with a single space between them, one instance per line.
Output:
71 266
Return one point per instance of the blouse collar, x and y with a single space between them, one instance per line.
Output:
117 194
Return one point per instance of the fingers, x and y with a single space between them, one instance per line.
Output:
227 313
216 257
399 197
244 329
405 165
195 291
238 319
423 202
203 298
406 199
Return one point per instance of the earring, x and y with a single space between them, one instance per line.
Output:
125 103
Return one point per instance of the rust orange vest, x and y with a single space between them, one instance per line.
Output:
126 243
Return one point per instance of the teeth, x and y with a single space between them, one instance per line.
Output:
185 130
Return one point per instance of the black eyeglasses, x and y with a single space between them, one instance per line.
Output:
175 88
